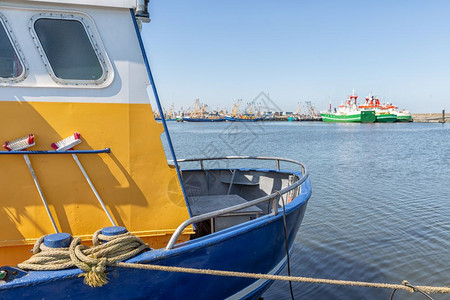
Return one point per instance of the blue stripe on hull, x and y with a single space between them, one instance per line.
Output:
203 120
232 119
256 246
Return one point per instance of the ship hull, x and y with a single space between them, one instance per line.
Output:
404 119
203 120
386 118
257 246
363 117
233 119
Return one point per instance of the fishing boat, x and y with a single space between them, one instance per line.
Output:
384 116
396 114
199 114
372 110
403 116
247 116
384 112
168 116
205 119
349 112
84 172
242 118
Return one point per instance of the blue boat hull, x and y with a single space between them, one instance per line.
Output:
203 120
167 120
256 246
232 119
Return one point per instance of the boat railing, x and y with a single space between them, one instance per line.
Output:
293 189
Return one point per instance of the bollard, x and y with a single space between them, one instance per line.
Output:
114 230
58 240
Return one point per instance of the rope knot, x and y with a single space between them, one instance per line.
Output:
410 289
93 261
96 275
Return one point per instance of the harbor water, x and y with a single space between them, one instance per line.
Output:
380 209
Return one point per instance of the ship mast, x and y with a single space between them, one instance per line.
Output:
354 97
235 109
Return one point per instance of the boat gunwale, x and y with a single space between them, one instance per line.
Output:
302 178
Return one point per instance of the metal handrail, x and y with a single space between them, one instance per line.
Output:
230 209
276 159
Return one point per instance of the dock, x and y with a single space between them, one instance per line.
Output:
431 118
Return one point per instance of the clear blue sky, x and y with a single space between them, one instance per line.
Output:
220 51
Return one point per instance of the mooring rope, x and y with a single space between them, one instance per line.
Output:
404 286
106 250
111 250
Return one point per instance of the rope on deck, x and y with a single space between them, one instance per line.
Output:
110 250
106 250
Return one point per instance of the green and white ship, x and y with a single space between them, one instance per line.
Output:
349 113
383 113
404 116
356 116
372 110
385 116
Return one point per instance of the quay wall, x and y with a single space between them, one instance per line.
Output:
429 118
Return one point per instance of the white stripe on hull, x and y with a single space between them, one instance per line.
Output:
257 284
342 119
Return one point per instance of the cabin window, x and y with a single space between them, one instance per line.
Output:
69 50
11 65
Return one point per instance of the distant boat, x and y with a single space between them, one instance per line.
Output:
203 119
404 116
242 119
167 120
401 115
385 116
370 111
247 116
349 113
352 116
199 114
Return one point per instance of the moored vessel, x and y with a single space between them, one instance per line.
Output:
384 113
199 114
384 116
404 116
400 115
203 119
242 118
63 71
349 113
251 113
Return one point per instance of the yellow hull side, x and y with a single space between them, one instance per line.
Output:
147 202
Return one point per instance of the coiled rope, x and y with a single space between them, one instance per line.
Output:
94 260
106 250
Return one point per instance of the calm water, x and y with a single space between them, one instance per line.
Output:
380 209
